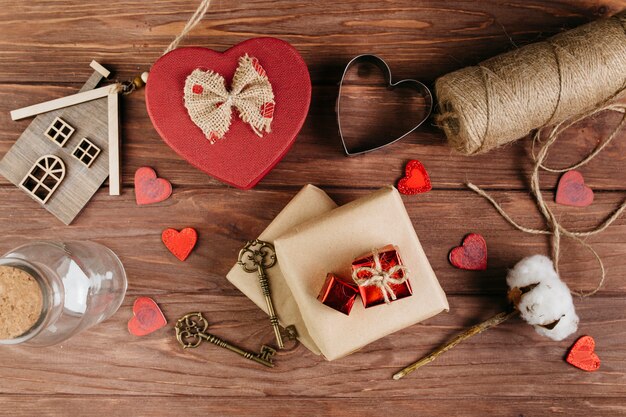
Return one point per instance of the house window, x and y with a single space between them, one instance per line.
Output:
59 131
44 178
86 152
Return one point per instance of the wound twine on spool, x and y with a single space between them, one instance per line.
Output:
506 97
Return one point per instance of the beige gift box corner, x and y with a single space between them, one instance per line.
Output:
312 237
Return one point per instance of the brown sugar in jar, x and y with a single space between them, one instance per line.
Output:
21 302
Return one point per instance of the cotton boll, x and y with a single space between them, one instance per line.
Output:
531 270
545 299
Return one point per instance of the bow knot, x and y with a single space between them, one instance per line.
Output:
381 278
210 104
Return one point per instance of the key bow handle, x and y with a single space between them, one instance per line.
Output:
257 253
189 329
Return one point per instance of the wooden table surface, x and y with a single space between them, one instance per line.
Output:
45 50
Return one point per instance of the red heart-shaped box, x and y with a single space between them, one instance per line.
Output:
241 158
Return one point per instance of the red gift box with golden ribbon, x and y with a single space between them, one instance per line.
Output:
381 277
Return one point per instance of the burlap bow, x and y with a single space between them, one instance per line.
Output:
210 104
383 279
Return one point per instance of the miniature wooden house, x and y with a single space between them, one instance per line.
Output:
69 149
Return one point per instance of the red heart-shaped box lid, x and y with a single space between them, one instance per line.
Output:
241 158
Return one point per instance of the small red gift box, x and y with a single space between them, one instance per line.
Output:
381 277
338 294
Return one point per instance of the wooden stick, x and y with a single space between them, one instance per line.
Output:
472 331
100 69
62 102
114 145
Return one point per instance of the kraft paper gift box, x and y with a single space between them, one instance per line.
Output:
330 243
309 203
311 225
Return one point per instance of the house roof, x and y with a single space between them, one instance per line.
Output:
66 101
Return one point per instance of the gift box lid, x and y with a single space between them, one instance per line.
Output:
329 243
309 203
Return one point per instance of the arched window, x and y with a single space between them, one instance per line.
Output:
44 178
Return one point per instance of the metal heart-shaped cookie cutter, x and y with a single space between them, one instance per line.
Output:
380 63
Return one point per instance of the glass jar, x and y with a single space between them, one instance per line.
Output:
82 283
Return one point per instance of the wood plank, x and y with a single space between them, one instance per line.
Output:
317 156
245 406
225 219
113 130
510 360
421 39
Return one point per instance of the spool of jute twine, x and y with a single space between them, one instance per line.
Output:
506 97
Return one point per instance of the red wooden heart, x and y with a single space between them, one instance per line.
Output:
471 255
147 317
416 179
180 243
148 188
572 190
582 354
241 158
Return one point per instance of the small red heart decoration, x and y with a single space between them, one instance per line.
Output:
582 355
180 243
147 317
471 255
572 190
240 158
416 179
149 188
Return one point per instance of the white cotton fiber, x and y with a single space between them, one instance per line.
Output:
548 301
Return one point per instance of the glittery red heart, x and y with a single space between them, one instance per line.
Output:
147 317
416 179
582 355
572 190
180 243
471 255
148 188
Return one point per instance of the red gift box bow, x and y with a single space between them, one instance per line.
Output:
381 278
210 104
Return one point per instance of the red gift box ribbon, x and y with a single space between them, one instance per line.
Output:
381 278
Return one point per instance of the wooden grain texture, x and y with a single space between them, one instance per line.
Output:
317 156
45 50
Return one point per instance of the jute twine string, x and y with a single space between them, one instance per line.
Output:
506 97
191 23
555 228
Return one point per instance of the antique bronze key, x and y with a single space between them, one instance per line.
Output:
257 256
191 330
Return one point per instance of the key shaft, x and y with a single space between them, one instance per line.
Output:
257 256
224 344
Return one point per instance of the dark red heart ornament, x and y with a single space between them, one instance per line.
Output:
416 179
149 188
471 255
147 317
582 354
241 158
572 190
180 243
